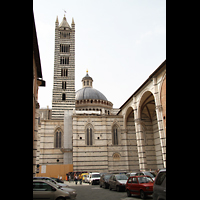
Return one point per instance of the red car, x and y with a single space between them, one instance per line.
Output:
139 185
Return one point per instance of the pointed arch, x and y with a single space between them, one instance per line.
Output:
58 138
89 134
116 134
129 113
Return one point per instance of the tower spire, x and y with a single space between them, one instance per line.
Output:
57 19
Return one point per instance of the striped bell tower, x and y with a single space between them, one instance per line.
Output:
64 69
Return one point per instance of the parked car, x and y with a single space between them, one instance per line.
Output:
159 187
57 180
117 182
131 174
43 189
139 185
104 180
147 173
50 179
86 179
94 178
84 176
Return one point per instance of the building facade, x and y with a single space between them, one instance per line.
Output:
86 131
37 82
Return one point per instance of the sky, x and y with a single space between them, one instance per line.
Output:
120 42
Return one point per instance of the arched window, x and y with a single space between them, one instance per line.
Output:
115 135
89 134
58 139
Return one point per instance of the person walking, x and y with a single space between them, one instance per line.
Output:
80 177
75 179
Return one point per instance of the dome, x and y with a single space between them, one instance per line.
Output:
89 93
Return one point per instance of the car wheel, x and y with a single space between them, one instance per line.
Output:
110 187
142 194
118 189
128 193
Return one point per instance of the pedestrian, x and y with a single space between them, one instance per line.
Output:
80 177
76 179
69 178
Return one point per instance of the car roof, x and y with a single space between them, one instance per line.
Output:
44 181
40 177
140 176
162 170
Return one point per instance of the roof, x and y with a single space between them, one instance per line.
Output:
89 93
64 23
87 77
150 77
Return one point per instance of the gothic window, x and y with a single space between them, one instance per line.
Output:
64 35
58 139
115 135
89 136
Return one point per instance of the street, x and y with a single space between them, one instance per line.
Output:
94 192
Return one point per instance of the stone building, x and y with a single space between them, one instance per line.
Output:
37 82
86 131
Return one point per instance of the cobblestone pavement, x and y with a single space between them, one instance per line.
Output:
94 192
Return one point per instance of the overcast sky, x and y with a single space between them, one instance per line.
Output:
120 42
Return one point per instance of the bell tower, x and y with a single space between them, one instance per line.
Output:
64 69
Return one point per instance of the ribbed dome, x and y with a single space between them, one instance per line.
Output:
89 93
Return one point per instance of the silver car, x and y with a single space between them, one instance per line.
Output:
43 189
51 180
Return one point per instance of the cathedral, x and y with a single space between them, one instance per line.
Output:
84 129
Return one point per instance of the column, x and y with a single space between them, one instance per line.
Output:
161 133
158 108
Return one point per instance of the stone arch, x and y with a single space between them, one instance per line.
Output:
145 97
129 112
149 131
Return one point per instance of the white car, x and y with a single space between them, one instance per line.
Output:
94 178
86 179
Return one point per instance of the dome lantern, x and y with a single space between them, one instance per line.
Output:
87 80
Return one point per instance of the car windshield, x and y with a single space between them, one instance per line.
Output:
151 174
121 177
107 177
145 180
95 175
